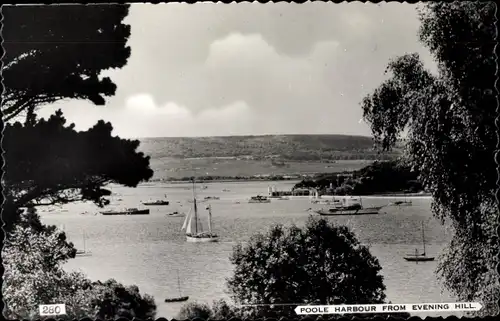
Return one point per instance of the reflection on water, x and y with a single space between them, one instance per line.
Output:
148 250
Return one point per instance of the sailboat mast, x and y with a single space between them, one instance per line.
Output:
179 283
84 241
423 236
195 210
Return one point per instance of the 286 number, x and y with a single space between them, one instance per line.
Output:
52 309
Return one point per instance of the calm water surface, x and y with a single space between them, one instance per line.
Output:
150 250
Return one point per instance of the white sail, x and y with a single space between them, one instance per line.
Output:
184 225
189 224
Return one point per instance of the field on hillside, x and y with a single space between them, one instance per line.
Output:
278 147
172 168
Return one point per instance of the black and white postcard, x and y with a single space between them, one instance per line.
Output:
249 160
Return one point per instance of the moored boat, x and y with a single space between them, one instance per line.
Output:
326 202
176 214
83 252
179 298
419 257
162 202
349 206
349 211
212 198
401 203
127 211
259 199
156 203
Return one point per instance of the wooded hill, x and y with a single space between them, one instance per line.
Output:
279 147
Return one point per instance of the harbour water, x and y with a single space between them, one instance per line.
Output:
149 250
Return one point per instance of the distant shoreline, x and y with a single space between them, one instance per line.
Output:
380 195
229 180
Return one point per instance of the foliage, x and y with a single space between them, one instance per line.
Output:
113 300
193 310
379 177
75 165
60 51
319 264
451 136
33 275
219 310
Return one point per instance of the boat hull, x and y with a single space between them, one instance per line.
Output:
139 212
83 254
401 204
180 299
362 211
418 258
162 203
202 239
176 215
259 202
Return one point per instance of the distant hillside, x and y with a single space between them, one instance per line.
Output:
278 147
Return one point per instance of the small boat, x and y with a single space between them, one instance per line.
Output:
349 211
316 199
180 298
259 199
176 214
349 206
194 229
226 190
127 211
83 252
401 203
419 257
156 202
326 202
212 198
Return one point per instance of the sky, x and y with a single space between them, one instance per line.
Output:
210 69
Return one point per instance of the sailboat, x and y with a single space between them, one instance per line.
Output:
194 230
420 257
180 298
83 252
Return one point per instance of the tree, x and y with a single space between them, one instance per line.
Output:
220 310
49 162
33 258
53 52
193 310
319 264
450 118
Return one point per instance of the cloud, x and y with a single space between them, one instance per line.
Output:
173 120
262 68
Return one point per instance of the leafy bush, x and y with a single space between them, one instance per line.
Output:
319 264
193 310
